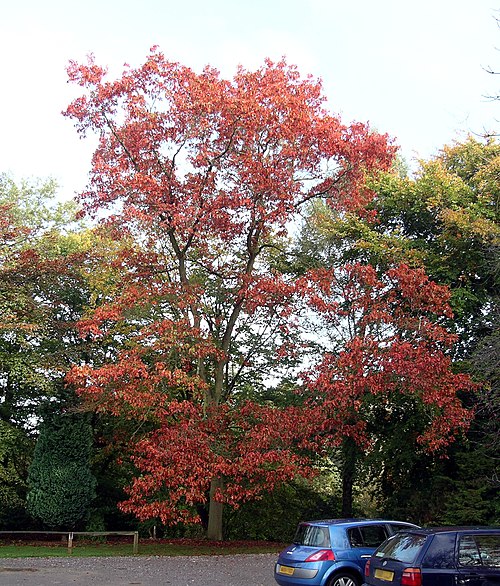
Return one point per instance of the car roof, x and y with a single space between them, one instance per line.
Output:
349 522
455 529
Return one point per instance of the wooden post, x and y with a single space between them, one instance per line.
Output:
70 543
136 542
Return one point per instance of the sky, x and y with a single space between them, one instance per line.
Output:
414 70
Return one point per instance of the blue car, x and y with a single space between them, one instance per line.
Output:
332 552
441 556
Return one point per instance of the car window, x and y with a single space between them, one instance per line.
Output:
312 535
373 535
395 527
441 552
355 538
479 550
367 535
403 547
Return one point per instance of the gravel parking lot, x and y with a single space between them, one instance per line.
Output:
226 570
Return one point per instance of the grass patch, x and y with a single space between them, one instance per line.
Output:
147 547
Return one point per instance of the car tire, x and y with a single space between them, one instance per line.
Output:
344 580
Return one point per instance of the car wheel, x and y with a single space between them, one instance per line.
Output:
344 580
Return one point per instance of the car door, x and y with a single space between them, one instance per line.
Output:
364 540
480 576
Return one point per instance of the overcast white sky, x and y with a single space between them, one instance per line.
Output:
415 70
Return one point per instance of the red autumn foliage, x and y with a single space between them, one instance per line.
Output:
206 175
390 343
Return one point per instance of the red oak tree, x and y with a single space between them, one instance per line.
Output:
384 342
206 176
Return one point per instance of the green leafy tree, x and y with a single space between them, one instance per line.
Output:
276 516
47 279
41 296
445 219
473 475
448 219
61 484
15 454
35 293
34 204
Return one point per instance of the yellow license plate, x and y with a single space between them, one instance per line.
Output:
286 570
384 575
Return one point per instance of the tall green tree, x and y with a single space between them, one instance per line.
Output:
40 296
473 474
60 480
448 218
16 449
32 314
46 281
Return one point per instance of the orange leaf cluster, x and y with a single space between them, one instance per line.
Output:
395 346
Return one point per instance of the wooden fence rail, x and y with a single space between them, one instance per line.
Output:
71 535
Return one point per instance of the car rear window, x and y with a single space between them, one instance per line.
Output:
403 547
479 550
313 535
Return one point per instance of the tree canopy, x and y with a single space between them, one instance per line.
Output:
266 295
207 175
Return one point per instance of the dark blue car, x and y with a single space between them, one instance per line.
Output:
443 556
332 552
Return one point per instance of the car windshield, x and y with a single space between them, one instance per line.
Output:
403 547
313 535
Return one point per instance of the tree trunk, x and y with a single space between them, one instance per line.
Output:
349 455
214 530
